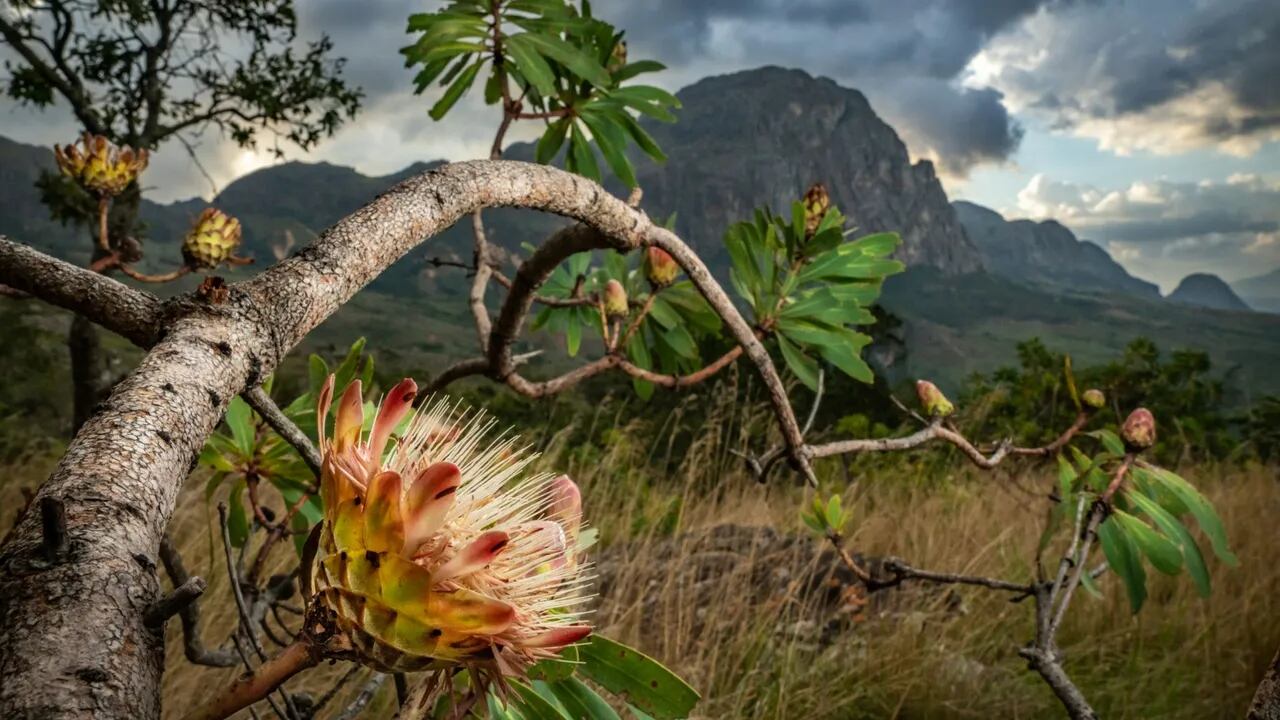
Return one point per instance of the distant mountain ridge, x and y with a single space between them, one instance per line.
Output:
1045 253
1262 292
1208 291
747 139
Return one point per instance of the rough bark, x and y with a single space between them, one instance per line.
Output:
1266 701
86 369
73 642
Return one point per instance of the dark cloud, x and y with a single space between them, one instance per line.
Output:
1164 75
906 56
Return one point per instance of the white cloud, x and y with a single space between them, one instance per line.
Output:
1164 230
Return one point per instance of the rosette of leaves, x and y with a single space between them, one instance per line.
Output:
1149 522
809 292
675 321
546 60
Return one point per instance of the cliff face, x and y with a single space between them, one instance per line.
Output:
1045 253
1207 291
761 137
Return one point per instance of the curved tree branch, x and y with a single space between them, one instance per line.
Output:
73 640
115 306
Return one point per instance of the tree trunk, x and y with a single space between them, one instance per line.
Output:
73 642
86 370
1266 701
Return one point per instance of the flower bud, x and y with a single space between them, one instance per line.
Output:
816 203
1139 430
935 404
660 267
99 166
213 239
618 58
1093 399
615 299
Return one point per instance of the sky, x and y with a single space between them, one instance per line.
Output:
1151 127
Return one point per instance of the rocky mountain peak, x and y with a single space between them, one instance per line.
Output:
1206 290
761 137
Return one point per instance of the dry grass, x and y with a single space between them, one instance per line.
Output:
751 653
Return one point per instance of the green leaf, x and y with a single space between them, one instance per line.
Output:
577 61
460 85
1162 553
1200 508
1123 558
1177 532
551 141
877 245
642 138
1066 479
317 373
612 143
556 668
1110 441
804 367
239 420
630 70
581 701
532 66
533 706
583 158
638 678
573 336
237 520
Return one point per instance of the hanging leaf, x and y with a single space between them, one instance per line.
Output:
1178 534
804 367
1205 515
1162 553
636 677
239 421
1123 558
581 701
460 85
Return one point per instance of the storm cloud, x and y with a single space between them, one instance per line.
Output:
1165 76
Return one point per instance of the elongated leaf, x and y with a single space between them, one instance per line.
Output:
532 706
1200 508
237 520
609 136
531 65
631 70
1123 558
1177 533
460 85
638 678
239 420
1162 553
581 701
1110 441
583 157
577 61
804 367
551 141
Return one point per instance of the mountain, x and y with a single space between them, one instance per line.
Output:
1045 253
760 137
744 139
1207 291
1261 292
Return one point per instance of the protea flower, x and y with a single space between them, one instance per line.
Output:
615 299
816 203
445 552
660 268
100 166
212 239
1139 430
935 404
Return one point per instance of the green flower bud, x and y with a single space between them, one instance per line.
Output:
935 404
615 299
660 267
1093 399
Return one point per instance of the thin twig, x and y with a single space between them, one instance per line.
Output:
261 402
192 646
361 701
